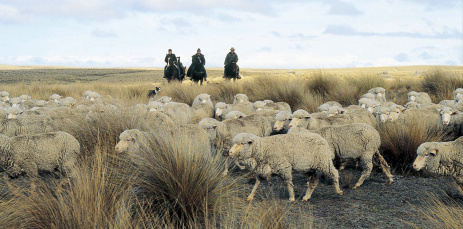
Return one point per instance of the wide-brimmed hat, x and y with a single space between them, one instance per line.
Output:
199 50
232 49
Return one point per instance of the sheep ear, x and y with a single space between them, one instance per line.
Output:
455 113
433 152
214 127
250 141
342 111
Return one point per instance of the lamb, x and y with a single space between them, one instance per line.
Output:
4 96
379 94
201 108
302 118
282 154
358 142
283 118
419 97
234 115
31 153
442 158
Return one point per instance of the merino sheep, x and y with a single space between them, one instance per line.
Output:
369 96
382 114
411 105
234 115
302 118
25 98
179 112
326 106
259 105
221 133
282 154
69 102
419 97
191 138
31 153
457 92
158 119
240 98
154 106
364 101
4 96
201 108
357 142
283 118
221 109
164 100
379 94
15 102
13 112
451 121
280 106
447 103
458 105
442 158
55 98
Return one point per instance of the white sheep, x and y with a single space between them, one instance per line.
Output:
179 112
69 102
4 96
25 97
379 94
369 96
326 106
281 155
31 153
240 98
458 105
221 109
447 103
280 106
450 120
234 115
221 133
442 158
201 108
411 105
282 120
15 102
457 92
55 98
164 100
302 118
13 112
259 105
419 97
154 106
355 142
364 101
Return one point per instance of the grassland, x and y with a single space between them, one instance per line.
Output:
178 188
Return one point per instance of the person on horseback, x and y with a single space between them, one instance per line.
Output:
231 57
197 60
174 61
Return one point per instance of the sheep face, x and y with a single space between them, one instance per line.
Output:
219 108
55 98
382 115
240 98
4 96
300 118
126 139
13 112
241 144
210 126
458 97
412 96
154 106
25 98
202 98
445 115
334 111
235 115
394 113
369 96
259 105
15 102
165 99
282 119
428 157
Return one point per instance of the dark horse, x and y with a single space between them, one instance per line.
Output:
172 72
231 71
198 73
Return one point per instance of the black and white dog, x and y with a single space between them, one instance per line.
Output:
153 93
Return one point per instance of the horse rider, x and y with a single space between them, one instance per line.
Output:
174 60
231 57
197 59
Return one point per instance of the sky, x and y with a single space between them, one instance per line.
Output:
290 34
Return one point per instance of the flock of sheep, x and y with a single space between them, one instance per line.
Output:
264 137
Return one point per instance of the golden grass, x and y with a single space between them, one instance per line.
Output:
440 213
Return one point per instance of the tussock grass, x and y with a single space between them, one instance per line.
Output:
440 213
399 141
440 84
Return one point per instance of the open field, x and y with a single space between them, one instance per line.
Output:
109 188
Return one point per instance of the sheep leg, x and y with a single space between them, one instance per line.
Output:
254 189
342 166
225 172
333 174
385 167
367 166
312 182
32 172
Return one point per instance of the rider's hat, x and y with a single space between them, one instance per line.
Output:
199 50
169 50
232 49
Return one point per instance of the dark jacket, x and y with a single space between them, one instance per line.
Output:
172 56
231 58
195 59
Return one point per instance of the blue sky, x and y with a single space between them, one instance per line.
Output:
265 33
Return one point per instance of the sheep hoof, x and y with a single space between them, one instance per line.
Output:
356 186
389 182
305 198
292 199
225 173
250 199
341 193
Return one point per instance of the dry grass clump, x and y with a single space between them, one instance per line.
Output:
440 84
100 196
399 141
440 213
